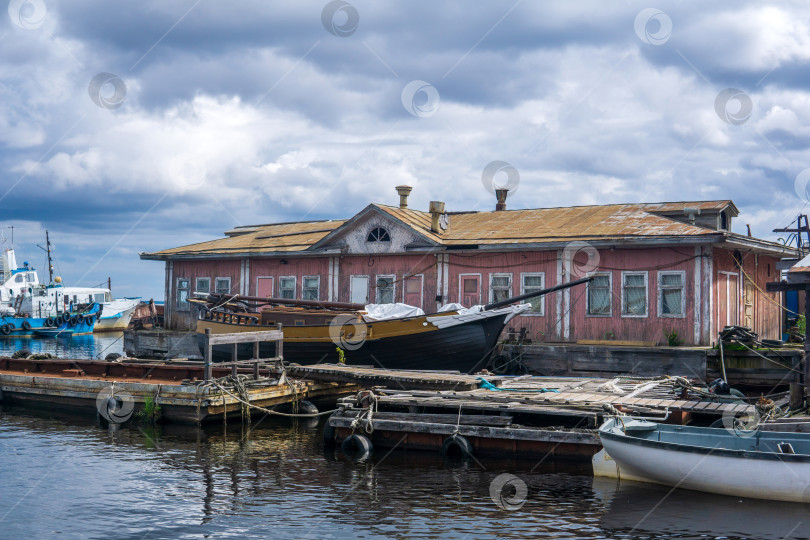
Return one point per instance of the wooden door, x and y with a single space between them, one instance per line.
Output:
470 293
264 287
748 304
728 305
359 289
412 291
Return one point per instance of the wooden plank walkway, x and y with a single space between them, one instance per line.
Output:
372 376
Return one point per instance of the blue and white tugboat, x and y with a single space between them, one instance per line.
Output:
29 308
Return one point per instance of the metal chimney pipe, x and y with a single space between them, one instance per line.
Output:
501 193
403 192
436 210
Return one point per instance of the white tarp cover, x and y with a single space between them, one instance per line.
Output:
382 312
461 309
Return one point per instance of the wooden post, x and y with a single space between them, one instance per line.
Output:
256 363
798 383
806 357
207 361
234 358
280 346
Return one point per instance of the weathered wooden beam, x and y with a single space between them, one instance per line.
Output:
245 337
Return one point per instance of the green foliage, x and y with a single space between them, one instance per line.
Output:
672 338
151 411
341 356
802 324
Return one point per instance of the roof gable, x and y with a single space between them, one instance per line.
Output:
352 234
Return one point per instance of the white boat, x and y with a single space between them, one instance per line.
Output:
756 464
115 315
21 293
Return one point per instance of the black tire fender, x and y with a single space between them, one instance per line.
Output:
26 326
5 329
358 446
456 443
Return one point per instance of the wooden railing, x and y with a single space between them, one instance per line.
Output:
242 337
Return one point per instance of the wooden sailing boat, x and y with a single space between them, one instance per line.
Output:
322 332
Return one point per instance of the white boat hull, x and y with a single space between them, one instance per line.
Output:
712 470
116 317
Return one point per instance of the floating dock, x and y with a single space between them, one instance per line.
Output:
179 389
508 416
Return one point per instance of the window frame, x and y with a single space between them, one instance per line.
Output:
405 293
317 289
197 285
660 306
542 275
178 304
491 291
461 286
223 278
378 228
646 313
393 278
588 296
294 287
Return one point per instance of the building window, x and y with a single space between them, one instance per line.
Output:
223 285
599 296
671 294
500 287
286 287
378 234
310 287
203 285
385 289
533 282
634 294
182 294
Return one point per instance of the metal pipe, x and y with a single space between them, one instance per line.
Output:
526 296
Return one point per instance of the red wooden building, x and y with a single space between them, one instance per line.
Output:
658 268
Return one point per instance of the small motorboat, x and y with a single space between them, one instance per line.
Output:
756 464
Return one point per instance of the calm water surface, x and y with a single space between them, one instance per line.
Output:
90 346
65 477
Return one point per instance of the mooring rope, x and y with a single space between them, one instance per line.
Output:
268 411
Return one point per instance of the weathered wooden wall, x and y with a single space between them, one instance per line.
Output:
564 317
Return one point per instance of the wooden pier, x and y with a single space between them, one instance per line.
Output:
506 416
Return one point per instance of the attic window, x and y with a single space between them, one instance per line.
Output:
723 221
378 234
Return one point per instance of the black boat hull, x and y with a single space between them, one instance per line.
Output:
463 347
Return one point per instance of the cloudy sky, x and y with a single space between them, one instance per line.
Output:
135 126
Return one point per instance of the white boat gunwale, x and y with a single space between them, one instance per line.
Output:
606 432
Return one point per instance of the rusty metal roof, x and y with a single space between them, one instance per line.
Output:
614 222
282 237
558 224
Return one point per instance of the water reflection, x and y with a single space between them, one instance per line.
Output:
275 479
635 507
86 347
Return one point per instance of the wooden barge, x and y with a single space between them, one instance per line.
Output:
179 389
535 417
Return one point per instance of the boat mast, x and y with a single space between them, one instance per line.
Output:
47 249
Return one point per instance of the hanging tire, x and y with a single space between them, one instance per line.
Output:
80 319
72 321
456 446
500 364
49 322
5 329
26 326
358 447
65 318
